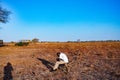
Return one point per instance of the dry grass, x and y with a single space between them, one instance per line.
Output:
88 61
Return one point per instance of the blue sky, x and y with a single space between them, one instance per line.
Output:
62 20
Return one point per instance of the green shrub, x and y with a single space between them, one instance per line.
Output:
21 44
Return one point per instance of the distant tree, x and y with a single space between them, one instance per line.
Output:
35 40
4 15
78 40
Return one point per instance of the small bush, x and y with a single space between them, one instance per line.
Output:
21 44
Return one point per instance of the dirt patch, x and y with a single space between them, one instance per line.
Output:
88 61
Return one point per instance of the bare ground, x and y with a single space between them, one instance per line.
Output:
88 61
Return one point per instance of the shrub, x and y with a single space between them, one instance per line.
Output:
21 44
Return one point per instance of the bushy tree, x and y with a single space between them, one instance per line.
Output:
35 40
4 15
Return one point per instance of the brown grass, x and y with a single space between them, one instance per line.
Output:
88 61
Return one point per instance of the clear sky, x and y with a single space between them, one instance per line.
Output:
61 20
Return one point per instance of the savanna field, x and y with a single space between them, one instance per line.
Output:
87 61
